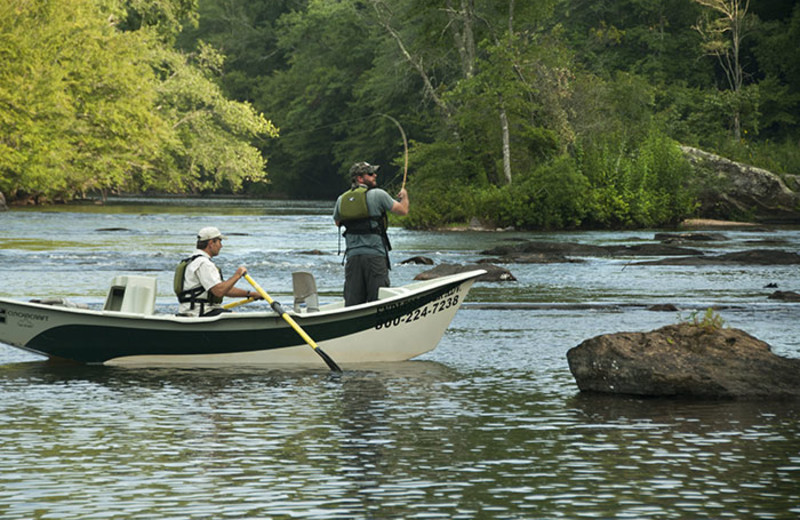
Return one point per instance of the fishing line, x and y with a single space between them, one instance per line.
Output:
345 121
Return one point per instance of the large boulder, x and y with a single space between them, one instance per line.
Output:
686 359
740 189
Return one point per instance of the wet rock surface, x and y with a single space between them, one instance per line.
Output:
493 273
684 360
787 296
565 249
750 257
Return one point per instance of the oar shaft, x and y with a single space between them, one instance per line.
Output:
237 303
279 309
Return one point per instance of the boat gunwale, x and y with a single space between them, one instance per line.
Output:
414 289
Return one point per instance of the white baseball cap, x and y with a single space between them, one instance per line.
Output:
208 233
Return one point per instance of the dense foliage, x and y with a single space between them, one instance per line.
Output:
546 114
94 98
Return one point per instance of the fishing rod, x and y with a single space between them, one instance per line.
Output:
405 147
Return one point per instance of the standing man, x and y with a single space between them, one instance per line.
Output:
362 211
198 281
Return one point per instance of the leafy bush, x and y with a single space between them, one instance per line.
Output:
605 185
441 189
636 186
550 198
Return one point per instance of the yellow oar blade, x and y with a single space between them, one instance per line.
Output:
277 308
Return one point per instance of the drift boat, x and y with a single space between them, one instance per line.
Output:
403 323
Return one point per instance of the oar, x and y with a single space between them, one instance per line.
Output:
237 303
277 308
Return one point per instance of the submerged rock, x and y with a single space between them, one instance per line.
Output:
493 273
564 249
787 296
531 258
678 238
418 260
685 360
663 307
749 257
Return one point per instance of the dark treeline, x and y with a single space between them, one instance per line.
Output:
545 114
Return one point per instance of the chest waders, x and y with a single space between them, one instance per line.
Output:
354 216
191 295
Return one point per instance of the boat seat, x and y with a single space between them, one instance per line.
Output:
133 294
304 288
388 292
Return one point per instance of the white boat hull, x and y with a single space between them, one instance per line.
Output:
395 328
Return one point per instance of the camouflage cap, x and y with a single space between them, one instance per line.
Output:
362 168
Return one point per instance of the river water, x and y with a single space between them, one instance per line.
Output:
488 425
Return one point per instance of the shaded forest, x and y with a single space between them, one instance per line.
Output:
539 115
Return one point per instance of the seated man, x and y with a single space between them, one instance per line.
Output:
198 281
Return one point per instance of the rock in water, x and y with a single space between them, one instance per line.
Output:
493 273
687 360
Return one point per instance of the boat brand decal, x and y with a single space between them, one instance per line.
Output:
395 314
24 319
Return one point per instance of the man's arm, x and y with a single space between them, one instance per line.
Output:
336 212
400 206
226 287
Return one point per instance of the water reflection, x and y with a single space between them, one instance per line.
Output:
386 441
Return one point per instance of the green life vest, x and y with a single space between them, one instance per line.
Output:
191 295
354 214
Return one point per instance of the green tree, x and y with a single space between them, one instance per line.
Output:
246 32
75 98
86 107
503 101
329 50
212 149
165 17
778 57
722 38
